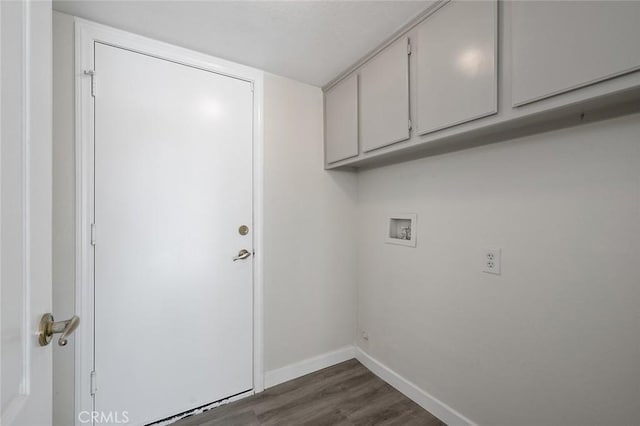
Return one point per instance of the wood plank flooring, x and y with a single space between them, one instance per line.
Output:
347 394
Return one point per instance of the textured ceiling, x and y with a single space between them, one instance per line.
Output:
310 41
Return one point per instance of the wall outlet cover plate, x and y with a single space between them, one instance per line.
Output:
491 260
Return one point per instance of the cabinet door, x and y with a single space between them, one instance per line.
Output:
341 112
384 97
456 65
563 45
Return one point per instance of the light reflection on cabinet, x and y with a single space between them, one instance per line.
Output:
456 51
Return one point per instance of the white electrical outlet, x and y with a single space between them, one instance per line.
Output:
491 259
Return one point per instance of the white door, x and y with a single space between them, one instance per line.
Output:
173 186
25 204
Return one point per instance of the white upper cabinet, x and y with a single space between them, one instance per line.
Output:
482 71
341 118
559 46
384 97
456 54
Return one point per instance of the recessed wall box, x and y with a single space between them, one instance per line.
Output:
401 229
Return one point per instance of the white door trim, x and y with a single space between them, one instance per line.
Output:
86 34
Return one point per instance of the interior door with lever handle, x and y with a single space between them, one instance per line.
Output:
173 207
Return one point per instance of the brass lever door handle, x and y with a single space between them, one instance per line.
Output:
243 254
48 328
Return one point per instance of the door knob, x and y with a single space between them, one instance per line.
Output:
243 254
48 328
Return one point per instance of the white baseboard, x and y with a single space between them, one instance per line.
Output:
430 403
293 371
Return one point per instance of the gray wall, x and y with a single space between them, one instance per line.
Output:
309 234
555 339
309 240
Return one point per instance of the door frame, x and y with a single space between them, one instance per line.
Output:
86 34
30 133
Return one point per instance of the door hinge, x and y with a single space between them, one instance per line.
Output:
93 234
409 48
92 74
94 384
410 125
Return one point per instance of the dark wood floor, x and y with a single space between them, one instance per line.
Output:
345 394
